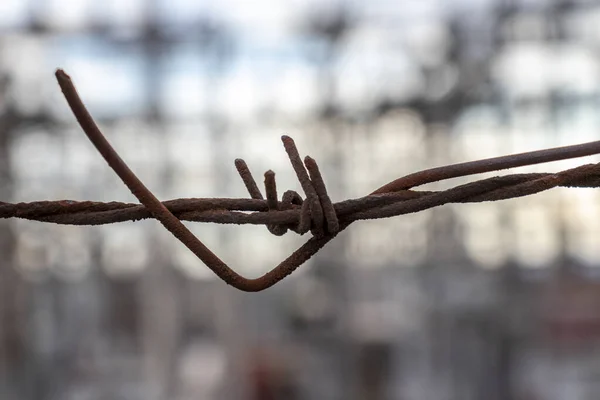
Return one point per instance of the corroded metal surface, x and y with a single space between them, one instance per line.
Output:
316 213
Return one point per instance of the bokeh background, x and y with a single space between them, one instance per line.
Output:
498 300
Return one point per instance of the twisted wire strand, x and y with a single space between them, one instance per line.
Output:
316 213
235 211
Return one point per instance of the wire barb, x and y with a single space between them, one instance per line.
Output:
248 179
271 190
316 213
333 225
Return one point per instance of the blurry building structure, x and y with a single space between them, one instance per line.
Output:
497 301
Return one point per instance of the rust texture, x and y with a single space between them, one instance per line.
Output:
271 190
316 213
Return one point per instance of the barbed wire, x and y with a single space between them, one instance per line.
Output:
316 213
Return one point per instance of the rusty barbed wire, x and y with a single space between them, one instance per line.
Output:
316 213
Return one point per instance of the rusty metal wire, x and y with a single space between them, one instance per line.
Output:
316 213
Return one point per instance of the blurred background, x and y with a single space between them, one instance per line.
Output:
497 300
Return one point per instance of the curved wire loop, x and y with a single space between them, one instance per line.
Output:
181 232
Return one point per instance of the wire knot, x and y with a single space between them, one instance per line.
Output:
317 213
